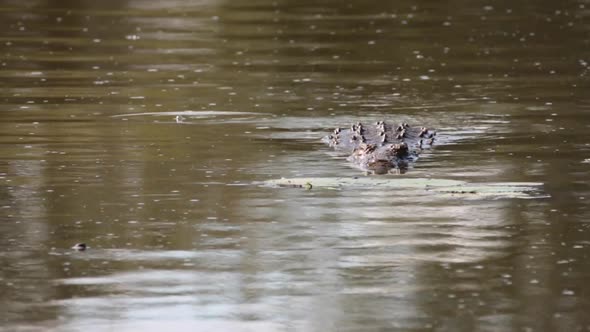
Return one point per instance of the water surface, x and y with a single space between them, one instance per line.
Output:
182 238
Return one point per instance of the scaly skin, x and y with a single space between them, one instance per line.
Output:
381 147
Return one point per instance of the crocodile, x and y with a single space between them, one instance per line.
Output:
381 147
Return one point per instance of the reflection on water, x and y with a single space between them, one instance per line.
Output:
139 128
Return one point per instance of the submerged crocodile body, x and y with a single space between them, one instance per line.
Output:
381 147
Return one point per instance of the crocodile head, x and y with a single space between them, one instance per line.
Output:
381 147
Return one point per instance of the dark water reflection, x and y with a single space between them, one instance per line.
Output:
91 150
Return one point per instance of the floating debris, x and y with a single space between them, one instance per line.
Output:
80 246
438 186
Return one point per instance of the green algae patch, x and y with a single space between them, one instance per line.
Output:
438 186
503 189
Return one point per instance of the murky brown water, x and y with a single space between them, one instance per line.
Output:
181 239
